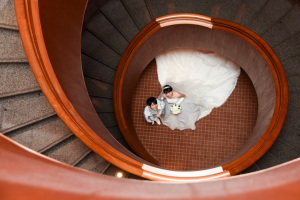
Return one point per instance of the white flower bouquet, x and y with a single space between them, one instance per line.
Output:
175 109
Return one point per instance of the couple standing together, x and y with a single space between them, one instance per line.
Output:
197 80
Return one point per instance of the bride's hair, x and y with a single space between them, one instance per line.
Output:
167 89
151 100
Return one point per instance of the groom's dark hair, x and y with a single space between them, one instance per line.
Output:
151 100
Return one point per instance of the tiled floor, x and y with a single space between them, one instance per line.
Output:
217 137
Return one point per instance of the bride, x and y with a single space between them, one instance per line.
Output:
197 80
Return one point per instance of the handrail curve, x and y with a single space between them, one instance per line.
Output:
73 114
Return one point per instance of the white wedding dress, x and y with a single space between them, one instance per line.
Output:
207 80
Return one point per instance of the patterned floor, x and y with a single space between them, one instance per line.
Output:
217 137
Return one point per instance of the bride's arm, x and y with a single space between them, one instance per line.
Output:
180 95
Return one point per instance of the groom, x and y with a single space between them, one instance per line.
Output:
154 109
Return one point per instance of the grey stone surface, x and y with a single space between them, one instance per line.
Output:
225 9
102 105
282 152
42 135
250 169
291 66
18 110
108 33
11 48
294 83
215 8
8 15
290 133
115 131
266 161
247 10
124 143
70 152
95 69
98 88
288 48
92 8
16 78
273 11
108 119
116 11
96 48
112 170
93 162
139 11
283 29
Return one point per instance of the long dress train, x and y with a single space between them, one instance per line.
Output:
207 80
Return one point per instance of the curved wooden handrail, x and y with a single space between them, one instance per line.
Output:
55 61
25 174
145 47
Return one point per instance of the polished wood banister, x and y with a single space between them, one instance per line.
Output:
25 174
36 24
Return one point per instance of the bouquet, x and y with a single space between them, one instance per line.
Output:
175 109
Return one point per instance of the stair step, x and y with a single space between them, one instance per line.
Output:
248 10
22 110
91 45
16 78
115 131
117 13
99 88
225 9
112 170
97 70
42 135
289 48
69 151
269 15
103 28
284 28
108 119
11 46
94 163
139 11
8 18
92 8
290 133
291 66
102 104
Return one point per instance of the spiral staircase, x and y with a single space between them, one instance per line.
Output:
108 28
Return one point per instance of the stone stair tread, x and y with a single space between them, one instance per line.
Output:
8 15
16 78
101 26
95 69
288 48
18 111
94 163
269 15
92 8
102 104
139 11
96 48
99 88
115 131
291 66
248 10
70 151
116 11
108 119
225 9
112 170
11 48
284 28
42 135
